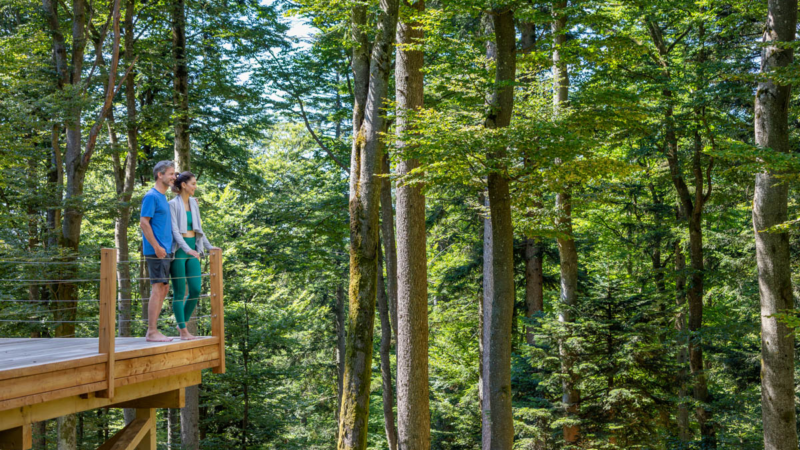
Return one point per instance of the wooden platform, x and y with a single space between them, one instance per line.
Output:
41 379
37 371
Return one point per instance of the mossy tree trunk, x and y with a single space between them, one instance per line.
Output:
371 66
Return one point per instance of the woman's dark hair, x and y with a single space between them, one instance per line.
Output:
183 177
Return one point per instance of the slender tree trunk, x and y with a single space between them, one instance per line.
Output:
246 387
126 179
387 388
695 298
501 420
340 349
173 428
389 243
180 82
485 315
534 283
190 414
371 76
567 251
413 409
692 205
770 204
684 432
40 435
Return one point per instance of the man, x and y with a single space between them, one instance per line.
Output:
156 224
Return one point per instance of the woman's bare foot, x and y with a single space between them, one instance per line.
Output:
185 335
156 336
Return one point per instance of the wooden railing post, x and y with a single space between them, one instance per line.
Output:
108 312
217 306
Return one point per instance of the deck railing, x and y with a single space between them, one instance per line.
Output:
108 310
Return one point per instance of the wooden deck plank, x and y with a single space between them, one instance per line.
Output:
51 367
44 356
163 361
11 340
32 384
21 402
50 408
161 348
33 347
165 373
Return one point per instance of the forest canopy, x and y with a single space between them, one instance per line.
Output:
451 225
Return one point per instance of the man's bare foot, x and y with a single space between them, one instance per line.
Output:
156 336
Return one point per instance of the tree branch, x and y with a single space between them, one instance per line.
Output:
678 39
314 135
110 91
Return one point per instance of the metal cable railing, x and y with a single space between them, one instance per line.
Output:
44 309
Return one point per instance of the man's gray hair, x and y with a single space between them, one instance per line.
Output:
161 167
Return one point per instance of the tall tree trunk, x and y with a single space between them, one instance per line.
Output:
389 243
340 349
387 389
40 435
692 207
684 432
501 420
770 204
485 305
413 410
485 311
126 179
534 283
371 76
180 83
173 428
76 161
190 414
567 251
67 432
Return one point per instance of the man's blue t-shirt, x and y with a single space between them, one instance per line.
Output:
155 206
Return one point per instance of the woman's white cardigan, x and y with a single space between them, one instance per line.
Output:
180 225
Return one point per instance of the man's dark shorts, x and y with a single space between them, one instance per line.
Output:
159 268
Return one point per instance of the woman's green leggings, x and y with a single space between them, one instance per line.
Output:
185 270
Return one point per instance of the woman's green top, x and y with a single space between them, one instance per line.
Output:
188 220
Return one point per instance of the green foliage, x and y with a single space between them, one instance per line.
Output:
268 109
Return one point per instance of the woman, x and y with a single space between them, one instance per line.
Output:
189 245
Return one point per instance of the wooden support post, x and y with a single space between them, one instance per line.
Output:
149 440
108 311
137 435
217 306
19 438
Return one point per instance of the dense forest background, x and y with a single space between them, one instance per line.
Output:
622 136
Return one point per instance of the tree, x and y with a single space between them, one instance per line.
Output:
499 431
692 204
190 414
180 82
413 411
770 202
77 156
567 251
370 86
